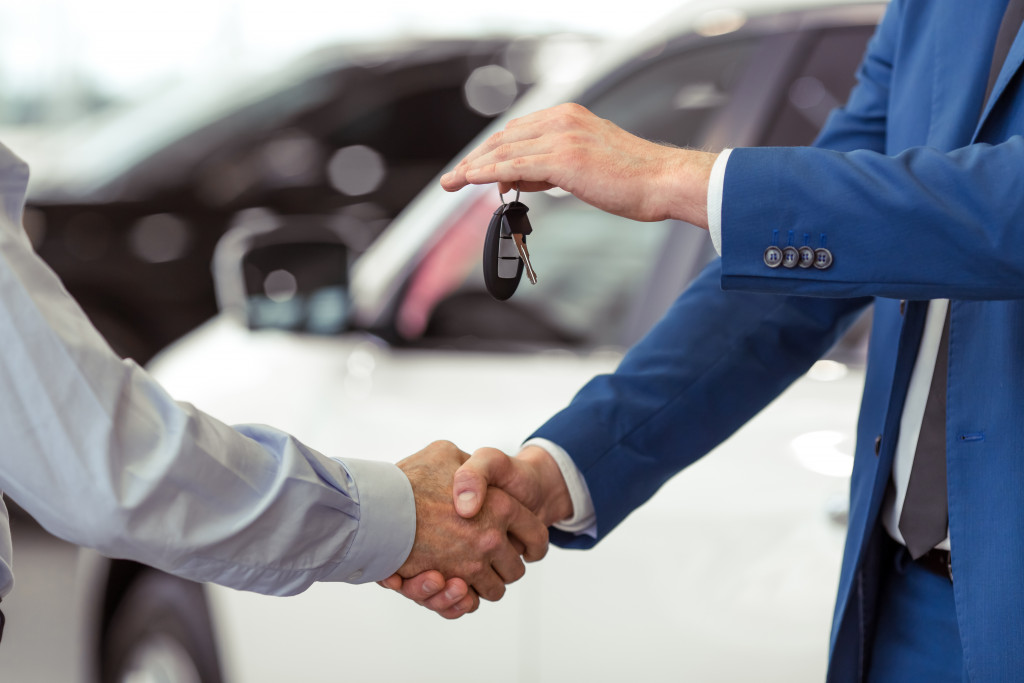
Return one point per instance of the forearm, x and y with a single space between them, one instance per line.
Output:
630 431
102 456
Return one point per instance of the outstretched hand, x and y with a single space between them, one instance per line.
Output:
569 147
532 478
484 552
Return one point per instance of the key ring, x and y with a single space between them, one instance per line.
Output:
501 195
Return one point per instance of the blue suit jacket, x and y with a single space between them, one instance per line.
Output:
919 194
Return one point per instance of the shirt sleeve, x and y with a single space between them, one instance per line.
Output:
583 520
716 187
99 454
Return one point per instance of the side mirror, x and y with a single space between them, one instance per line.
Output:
288 272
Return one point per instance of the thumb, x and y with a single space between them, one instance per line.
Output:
486 467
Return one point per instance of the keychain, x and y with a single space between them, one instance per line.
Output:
505 252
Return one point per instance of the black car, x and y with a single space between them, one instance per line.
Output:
130 216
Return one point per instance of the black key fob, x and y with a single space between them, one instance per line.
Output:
503 269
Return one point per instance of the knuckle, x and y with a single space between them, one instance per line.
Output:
503 151
490 541
472 568
495 140
441 444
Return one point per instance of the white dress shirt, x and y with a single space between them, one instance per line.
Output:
101 456
584 520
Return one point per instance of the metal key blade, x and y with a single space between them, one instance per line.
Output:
524 254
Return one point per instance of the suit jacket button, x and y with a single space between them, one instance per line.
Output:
903 306
822 258
773 257
790 257
806 257
878 444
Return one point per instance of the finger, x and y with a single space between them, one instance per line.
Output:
531 533
422 586
486 467
467 605
568 116
508 564
454 593
525 129
393 582
496 544
528 162
532 173
489 585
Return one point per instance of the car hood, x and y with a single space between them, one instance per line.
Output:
353 395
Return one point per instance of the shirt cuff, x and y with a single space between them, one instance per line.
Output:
387 522
584 520
716 188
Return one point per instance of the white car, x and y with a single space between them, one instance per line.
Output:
727 574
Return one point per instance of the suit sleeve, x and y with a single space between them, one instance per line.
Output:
717 358
923 223
709 365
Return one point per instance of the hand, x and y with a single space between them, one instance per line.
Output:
450 599
483 551
533 478
571 148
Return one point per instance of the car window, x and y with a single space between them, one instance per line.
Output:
594 269
822 81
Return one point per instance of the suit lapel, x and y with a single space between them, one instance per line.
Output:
1014 59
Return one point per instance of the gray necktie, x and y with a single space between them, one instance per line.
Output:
925 516
923 520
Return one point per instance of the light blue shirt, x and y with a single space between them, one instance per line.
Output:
100 455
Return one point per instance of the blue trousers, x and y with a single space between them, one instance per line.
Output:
917 637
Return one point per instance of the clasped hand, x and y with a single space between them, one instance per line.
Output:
477 519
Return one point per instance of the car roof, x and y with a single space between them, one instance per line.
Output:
84 159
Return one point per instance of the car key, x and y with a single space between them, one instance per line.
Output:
505 252
519 226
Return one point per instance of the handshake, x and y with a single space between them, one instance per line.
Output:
477 518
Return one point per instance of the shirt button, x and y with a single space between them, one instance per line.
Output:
878 444
355 576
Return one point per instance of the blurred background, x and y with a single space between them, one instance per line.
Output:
294 135
149 128
63 60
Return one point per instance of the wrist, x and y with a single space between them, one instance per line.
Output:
555 502
685 182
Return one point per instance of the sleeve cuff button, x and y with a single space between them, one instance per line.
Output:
822 258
